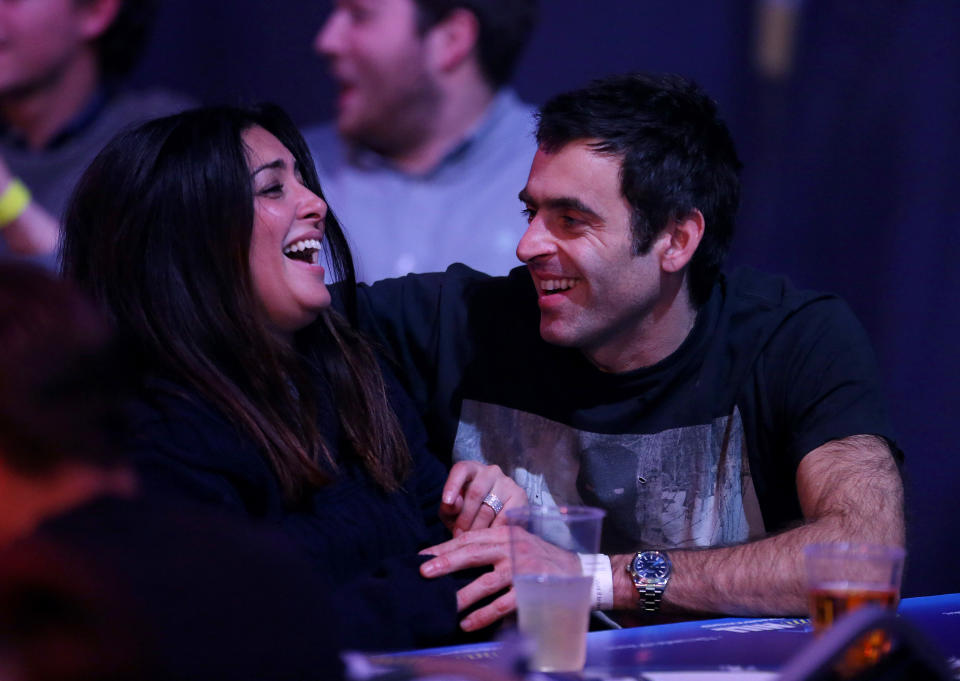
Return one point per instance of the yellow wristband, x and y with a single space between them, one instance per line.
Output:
13 201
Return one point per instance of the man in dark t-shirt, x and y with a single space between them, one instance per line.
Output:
723 422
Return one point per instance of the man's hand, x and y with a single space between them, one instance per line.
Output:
491 546
469 482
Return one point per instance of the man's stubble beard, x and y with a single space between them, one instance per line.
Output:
402 123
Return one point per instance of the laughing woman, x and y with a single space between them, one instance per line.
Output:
203 235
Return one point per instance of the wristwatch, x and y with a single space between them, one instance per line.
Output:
650 571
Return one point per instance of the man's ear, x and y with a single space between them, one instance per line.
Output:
96 16
684 236
453 40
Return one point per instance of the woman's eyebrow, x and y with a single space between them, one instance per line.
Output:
279 164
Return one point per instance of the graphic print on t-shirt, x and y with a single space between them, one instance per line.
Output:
683 487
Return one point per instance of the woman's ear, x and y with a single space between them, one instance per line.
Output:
684 235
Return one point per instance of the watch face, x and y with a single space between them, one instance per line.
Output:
651 565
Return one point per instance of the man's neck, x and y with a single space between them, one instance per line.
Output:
460 109
38 113
660 334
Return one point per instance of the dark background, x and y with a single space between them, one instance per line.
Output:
852 182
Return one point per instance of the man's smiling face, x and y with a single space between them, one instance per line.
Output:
594 293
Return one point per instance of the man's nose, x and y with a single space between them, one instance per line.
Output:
535 242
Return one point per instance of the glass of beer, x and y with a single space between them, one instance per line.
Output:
845 576
553 594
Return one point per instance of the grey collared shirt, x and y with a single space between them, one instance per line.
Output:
463 210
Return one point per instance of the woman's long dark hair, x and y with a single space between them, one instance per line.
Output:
158 230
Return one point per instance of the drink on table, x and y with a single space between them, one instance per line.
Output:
829 602
554 612
553 594
845 577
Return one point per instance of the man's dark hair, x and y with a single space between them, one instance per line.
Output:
677 156
121 45
505 28
61 378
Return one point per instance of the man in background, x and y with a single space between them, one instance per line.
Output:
429 144
61 62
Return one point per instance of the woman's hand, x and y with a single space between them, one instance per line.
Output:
470 496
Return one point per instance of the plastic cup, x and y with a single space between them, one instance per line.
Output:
553 594
842 577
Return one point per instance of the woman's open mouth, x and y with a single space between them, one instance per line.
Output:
304 250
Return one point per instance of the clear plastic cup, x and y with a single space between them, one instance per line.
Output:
553 594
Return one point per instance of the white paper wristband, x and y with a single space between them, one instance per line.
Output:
598 565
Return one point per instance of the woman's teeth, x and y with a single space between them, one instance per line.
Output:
307 250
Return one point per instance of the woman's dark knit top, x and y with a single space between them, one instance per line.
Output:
358 537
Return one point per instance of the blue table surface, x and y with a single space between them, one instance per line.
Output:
753 643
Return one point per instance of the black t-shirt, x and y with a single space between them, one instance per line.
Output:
700 449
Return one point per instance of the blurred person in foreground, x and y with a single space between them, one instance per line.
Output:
98 581
429 143
723 420
201 234
62 64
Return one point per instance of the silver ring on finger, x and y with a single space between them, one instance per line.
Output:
493 501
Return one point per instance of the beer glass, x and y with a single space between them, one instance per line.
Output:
845 576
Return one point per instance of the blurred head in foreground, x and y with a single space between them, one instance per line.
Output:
60 394
98 582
